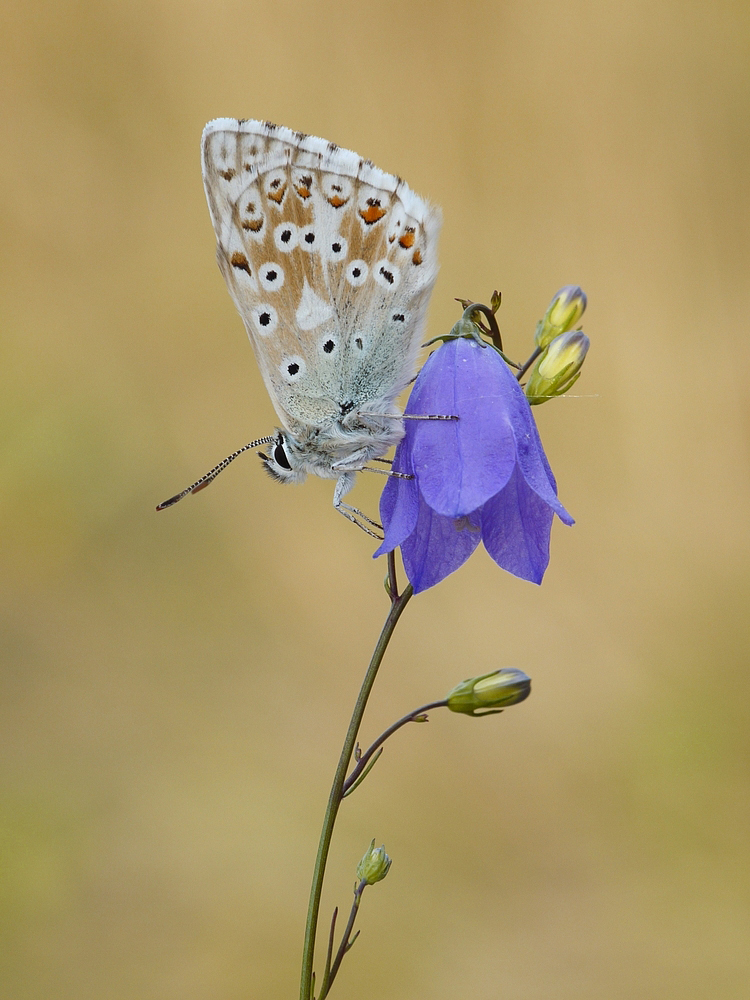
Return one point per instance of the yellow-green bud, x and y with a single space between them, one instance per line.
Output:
565 310
491 692
558 368
374 865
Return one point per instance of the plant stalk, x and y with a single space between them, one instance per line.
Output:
398 603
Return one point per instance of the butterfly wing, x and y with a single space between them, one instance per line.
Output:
330 262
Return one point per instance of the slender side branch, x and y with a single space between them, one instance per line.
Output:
525 367
398 603
329 953
348 789
346 943
357 773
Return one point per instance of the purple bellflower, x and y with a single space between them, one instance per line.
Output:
483 476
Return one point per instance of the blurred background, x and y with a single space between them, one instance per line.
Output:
176 687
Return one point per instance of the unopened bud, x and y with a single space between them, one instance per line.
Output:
374 865
491 692
558 368
565 310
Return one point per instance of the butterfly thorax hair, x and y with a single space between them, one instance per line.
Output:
346 445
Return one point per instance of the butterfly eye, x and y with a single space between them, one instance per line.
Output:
279 456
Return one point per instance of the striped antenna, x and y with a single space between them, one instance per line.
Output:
210 476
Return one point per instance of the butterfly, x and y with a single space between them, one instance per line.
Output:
330 262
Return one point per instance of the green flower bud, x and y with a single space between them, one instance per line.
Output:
558 368
565 310
374 865
491 692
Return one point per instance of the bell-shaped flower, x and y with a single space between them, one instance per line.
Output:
483 476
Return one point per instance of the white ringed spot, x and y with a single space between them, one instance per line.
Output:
308 239
328 346
292 369
285 237
386 274
356 273
265 319
271 276
336 249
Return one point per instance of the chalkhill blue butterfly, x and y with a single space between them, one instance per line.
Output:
330 262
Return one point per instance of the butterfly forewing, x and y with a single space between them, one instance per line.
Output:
330 262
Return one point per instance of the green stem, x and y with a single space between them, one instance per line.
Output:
363 761
398 603
525 367
497 340
346 942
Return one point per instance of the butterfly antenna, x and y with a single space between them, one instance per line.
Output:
210 476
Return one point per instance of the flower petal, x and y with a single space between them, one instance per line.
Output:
536 471
461 463
516 527
399 504
438 546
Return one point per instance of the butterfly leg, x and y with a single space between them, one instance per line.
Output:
343 485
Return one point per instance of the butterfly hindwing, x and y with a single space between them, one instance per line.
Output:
329 260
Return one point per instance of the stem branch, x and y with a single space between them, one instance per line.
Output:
363 760
346 943
398 603
525 367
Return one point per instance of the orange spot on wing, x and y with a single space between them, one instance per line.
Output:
337 201
254 225
407 240
278 195
240 261
373 213
303 187
416 258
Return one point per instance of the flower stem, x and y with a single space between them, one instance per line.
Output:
525 367
398 603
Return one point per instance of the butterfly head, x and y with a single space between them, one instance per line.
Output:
281 462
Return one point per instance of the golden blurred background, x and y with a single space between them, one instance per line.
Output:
176 687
